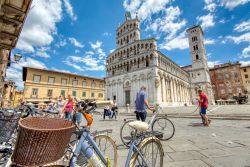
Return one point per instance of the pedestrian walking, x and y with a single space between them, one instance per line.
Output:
60 105
107 110
68 108
141 103
114 109
203 105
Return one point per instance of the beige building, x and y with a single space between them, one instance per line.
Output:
245 74
40 85
12 17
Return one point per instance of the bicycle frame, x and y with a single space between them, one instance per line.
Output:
132 149
85 145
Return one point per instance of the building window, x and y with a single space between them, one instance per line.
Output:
92 84
222 91
245 70
34 92
196 47
246 75
73 93
92 94
74 82
197 57
83 94
51 80
236 75
100 95
101 86
37 78
64 81
62 92
84 84
49 93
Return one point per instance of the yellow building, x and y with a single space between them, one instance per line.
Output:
8 94
18 98
40 85
245 74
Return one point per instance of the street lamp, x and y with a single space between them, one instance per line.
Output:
17 58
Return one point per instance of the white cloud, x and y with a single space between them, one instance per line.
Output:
210 5
14 72
169 23
40 25
245 52
42 52
145 8
77 51
60 70
179 42
242 38
206 21
111 50
75 42
209 41
231 4
69 10
211 64
107 34
91 61
61 43
96 45
245 63
244 26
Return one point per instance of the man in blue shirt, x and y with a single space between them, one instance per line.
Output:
141 103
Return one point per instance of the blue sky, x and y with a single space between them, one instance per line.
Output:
76 36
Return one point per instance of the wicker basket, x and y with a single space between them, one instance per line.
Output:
41 140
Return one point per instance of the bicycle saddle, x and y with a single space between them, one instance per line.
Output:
138 125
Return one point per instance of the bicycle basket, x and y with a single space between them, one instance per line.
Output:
41 140
8 125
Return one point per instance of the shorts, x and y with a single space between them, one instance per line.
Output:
203 110
141 116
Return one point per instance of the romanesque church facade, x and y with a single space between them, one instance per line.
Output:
136 62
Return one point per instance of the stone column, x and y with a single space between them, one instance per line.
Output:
163 89
171 90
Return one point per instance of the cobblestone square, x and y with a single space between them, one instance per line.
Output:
225 143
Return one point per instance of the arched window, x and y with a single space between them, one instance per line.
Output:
197 57
151 45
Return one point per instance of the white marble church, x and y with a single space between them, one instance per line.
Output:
136 62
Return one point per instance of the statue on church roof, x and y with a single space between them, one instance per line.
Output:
128 15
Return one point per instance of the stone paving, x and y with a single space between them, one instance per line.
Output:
226 143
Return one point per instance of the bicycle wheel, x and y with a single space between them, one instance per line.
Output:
163 128
126 133
108 147
152 152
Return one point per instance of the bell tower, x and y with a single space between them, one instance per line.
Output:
128 32
199 74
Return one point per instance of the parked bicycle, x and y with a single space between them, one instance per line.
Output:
146 150
161 126
86 150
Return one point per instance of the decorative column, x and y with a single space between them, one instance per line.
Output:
163 89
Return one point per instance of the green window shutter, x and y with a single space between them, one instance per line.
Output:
63 92
74 93
92 94
83 94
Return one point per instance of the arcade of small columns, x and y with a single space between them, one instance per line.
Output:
131 50
130 65
173 90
